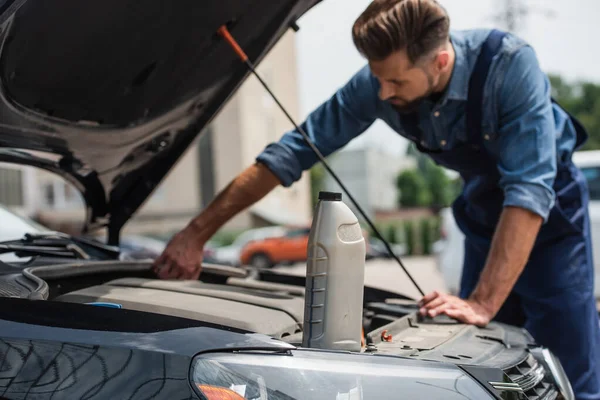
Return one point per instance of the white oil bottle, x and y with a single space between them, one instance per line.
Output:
333 312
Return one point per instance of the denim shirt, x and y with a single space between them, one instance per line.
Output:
525 133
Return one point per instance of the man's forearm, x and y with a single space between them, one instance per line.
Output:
510 250
246 189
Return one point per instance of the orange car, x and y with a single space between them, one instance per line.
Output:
265 253
289 248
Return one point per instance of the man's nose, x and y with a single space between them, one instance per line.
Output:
385 92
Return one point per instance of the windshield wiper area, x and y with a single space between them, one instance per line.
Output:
57 244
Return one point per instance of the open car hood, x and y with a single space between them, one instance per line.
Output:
110 93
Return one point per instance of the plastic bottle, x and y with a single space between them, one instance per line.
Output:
333 313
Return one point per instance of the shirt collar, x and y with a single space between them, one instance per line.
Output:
459 80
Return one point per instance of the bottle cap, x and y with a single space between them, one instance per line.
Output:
330 196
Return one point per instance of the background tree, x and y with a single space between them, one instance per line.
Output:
414 191
317 178
582 99
434 186
439 184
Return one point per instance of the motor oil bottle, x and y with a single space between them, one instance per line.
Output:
333 311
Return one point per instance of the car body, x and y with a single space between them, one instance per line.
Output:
450 249
267 252
109 95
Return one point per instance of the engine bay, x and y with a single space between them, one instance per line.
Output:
268 303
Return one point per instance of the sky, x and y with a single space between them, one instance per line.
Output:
562 33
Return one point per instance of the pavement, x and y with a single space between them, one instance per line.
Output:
388 275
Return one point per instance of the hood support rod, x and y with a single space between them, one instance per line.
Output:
224 32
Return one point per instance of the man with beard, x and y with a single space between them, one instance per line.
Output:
478 103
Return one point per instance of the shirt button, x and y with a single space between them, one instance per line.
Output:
443 142
486 137
436 114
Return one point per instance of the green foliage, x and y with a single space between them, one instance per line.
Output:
225 237
409 235
436 225
426 239
426 186
582 99
317 177
439 184
456 186
413 189
392 236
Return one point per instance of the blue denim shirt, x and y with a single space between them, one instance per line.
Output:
522 129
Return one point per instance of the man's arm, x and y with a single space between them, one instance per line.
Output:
254 183
504 265
526 150
182 259
344 116
507 257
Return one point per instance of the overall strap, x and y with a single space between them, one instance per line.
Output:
474 107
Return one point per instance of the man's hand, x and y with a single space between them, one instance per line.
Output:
506 260
182 258
466 311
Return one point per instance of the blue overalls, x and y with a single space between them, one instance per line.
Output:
559 276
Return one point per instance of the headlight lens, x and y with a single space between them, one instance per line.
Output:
555 369
314 375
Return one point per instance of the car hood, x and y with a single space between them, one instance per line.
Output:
109 94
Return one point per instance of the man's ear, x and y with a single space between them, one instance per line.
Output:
442 60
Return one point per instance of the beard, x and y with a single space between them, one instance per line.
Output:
409 107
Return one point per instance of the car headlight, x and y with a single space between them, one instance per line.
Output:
555 369
315 375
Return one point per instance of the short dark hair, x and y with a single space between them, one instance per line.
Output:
386 26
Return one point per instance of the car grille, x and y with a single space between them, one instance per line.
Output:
532 378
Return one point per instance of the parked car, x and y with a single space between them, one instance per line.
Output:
109 95
267 252
450 249
231 255
378 249
292 246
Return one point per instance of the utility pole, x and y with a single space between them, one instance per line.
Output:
514 13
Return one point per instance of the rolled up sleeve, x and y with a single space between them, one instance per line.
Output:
526 136
347 114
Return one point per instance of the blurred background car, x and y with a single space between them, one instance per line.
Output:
138 246
267 252
142 247
377 249
231 254
292 247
